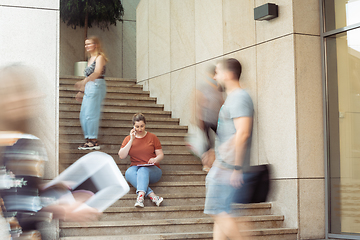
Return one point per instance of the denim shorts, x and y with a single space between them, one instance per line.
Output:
219 196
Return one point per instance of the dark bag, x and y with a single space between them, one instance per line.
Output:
256 185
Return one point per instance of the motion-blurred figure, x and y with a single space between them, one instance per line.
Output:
232 149
208 103
23 156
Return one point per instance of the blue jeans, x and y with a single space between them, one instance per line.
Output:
90 112
141 177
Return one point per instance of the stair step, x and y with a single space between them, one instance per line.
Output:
152 212
79 78
184 199
116 144
116 103
121 119
110 94
260 234
118 90
113 124
107 142
254 209
167 153
126 112
117 137
108 83
178 225
144 226
169 159
112 108
175 187
113 97
192 199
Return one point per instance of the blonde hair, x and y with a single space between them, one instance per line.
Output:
99 48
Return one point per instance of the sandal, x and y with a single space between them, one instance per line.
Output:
90 145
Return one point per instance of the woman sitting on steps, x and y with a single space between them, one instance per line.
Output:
145 153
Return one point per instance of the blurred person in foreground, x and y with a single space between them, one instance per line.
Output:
145 151
232 150
23 156
208 103
92 91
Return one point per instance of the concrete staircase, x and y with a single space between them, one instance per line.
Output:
182 184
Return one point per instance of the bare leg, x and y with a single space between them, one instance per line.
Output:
218 233
226 227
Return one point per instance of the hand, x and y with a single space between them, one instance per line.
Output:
79 96
236 179
132 134
152 161
80 85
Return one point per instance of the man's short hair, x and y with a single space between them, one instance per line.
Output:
232 65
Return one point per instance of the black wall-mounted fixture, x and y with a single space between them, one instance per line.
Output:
266 12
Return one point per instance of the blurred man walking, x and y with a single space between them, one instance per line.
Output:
232 149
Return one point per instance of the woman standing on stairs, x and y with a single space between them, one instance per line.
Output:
92 90
145 153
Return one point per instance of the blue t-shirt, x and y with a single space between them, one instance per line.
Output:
238 104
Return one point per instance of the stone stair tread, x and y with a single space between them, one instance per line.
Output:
183 235
113 103
163 163
164 222
111 84
168 196
67 123
159 134
272 231
163 143
119 110
177 208
117 97
108 90
155 209
106 78
115 151
184 173
177 184
148 222
108 83
125 118
186 235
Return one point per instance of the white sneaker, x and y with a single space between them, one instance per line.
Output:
157 200
139 201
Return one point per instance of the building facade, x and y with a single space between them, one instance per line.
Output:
341 70
301 70
281 60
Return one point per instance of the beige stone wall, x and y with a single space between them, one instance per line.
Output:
29 34
281 62
119 43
